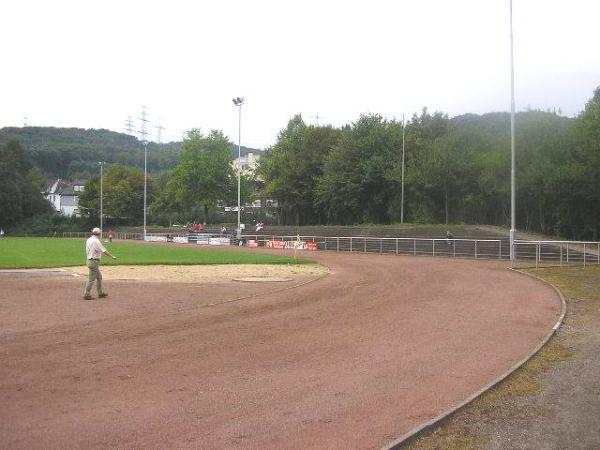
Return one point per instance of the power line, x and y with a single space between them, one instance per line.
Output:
143 125
317 117
159 129
129 125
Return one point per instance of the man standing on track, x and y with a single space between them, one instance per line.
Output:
93 251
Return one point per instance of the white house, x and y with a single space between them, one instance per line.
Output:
247 164
64 196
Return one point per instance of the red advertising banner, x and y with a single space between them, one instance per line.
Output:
275 244
252 243
290 245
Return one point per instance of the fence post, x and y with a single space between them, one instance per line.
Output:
433 247
350 244
396 246
561 254
338 244
537 254
454 248
598 254
476 249
567 253
414 247
365 245
380 245
500 249
584 254
325 243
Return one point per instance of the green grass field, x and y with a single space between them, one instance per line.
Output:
21 253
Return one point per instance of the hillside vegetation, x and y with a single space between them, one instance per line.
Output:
74 152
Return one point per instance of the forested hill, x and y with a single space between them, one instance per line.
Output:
74 152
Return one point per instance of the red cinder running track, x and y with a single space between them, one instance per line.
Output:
351 360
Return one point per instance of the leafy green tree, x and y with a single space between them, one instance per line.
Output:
358 182
544 141
205 175
165 206
123 191
89 200
421 133
20 193
292 168
579 196
445 174
124 197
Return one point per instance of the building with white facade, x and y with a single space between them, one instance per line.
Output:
247 164
64 196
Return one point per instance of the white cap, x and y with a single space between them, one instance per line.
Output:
96 230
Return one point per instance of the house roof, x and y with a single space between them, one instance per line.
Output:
60 187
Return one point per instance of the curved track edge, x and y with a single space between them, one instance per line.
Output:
427 426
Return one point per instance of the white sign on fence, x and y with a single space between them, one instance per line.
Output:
220 241
203 240
151 238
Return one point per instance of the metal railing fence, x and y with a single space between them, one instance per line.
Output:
465 248
118 235
560 253
191 237
529 253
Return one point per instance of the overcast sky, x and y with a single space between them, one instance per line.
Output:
90 64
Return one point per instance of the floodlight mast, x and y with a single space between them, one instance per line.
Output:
239 101
402 197
513 230
101 163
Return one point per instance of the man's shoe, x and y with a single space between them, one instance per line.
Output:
87 297
102 295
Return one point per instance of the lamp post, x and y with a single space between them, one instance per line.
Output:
239 101
145 182
402 197
101 194
513 230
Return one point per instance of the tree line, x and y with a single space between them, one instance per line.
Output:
456 171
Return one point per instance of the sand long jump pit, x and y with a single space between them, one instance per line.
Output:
352 358
215 273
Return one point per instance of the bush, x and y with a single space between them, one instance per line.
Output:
51 224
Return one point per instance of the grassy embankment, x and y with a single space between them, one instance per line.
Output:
16 253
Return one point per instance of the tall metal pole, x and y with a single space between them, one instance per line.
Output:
239 168
402 198
145 182
239 101
143 134
513 230
101 195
